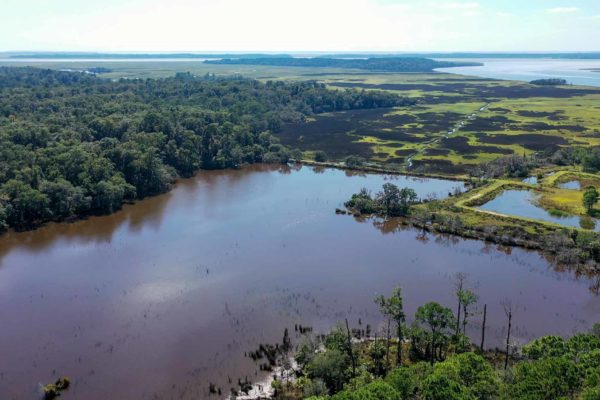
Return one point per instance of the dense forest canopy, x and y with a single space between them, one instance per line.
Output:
73 144
387 64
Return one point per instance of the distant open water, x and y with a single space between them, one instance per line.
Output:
576 72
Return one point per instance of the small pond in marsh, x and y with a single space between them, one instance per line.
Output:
532 180
165 296
572 185
521 203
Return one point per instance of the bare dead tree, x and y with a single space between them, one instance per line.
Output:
350 352
508 310
392 307
467 298
483 326
387 350
460 278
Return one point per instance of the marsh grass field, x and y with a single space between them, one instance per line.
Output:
457 123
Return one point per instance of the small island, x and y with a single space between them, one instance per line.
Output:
549 82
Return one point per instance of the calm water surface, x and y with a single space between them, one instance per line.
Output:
572 185
577 72
532 180
165 296
522 204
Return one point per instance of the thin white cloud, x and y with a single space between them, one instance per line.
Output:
562 10
470 14
473 5
503 14
593 18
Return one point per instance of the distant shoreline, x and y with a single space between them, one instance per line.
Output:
592 55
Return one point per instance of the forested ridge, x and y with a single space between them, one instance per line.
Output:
73 144
387 64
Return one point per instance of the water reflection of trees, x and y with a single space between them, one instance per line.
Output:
394 225
143 214
92 230
354 172
595 286
490 247
317 169
147 213
387 226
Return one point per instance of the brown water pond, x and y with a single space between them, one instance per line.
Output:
165 296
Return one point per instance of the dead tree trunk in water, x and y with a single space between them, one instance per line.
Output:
483 326
508 312
387 350
432 355
460 281
350 352
399 347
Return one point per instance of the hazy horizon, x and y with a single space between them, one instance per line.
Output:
299 26
293 52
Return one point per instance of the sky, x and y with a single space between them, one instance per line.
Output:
299 25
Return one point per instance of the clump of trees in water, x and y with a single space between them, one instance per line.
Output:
271 353
390 201
53 390
73 144
441 363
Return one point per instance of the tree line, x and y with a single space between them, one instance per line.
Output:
517 166
387 64
549 82
73 144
